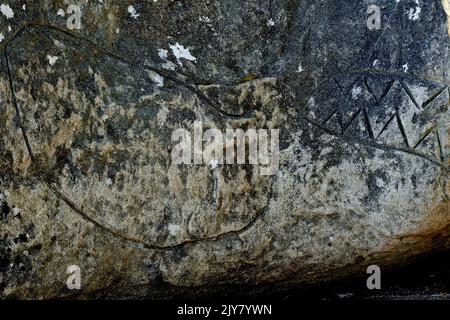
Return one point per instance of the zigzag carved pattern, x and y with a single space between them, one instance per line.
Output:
390 110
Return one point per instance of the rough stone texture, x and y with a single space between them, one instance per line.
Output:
86 176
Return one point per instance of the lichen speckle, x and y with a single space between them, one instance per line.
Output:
6 10
180 52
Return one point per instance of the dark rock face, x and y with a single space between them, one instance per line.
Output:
88 111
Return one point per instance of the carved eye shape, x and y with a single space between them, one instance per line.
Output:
99 130
385 110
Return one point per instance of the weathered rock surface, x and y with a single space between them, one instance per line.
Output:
86 176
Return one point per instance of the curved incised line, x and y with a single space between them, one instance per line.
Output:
176 80
141 242
47 181
16 107
113 55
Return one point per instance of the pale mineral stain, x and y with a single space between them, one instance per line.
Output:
205 19
180 52
356 92
61 13
214 163
7 11
156 78
52 59
414 13
405 68
132 11
163 54
446 5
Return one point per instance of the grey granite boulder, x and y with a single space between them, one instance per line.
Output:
92 92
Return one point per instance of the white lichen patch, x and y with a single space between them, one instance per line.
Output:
414 13
52 59
61 13
205 19
156 78
356 92
132 11
7 11
180 52
163 54
214 163
405 68
2 37
380 182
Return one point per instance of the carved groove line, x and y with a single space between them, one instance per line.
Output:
47 180
335 119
